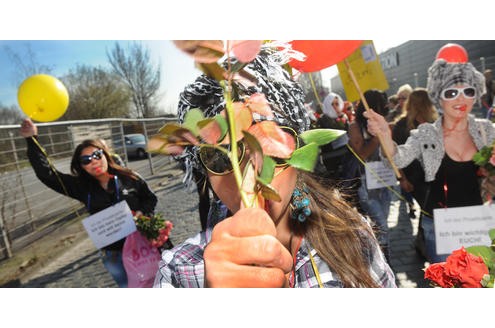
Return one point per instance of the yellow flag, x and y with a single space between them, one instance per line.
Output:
366 66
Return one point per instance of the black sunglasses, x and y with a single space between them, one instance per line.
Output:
86 159
218 163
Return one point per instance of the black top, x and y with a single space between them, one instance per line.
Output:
136 193
399 131
413 172
462 186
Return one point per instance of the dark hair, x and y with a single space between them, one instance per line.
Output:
113 168
377 100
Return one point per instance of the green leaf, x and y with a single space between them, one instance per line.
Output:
169 128
210 131
270 193
213 70
191 120
224 126
305 157
267 171
482 157
255 150
321 136
486 253
491 233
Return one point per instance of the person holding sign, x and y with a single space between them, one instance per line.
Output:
97 182
445 148
374 196
309 238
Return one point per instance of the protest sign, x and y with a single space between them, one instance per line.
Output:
110 224
379 175
365 64
463 226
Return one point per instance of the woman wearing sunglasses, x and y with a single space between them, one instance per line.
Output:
97 182
444 148
311 238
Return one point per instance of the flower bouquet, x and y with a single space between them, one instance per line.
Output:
154 228
485 159
471 267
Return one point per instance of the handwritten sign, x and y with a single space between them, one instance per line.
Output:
462 226
110 224
378 175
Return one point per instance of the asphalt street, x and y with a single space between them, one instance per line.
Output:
81 267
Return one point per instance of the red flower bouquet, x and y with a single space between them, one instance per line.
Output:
473 267
154 228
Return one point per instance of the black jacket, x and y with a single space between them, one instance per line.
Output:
136 193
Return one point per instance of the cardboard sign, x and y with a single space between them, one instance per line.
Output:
463 226
111 224
379 175
365 64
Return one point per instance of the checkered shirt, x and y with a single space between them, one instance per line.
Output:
183 266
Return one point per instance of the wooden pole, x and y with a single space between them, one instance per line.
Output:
365 103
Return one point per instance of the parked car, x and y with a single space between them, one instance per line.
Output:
135 145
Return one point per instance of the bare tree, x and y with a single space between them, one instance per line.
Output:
142 78
25 64
10 115
95 93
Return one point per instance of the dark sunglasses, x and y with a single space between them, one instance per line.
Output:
217 161
86 159
453 93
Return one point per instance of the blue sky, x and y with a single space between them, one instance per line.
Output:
177 68
62 55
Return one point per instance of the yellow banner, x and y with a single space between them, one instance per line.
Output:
365 64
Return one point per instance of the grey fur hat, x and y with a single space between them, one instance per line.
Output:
442 75
285 96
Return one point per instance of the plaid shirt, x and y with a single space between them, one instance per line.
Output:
183 266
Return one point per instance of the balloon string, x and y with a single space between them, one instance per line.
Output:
51 166
367 167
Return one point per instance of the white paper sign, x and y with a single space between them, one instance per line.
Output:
109 225
462 226
384 172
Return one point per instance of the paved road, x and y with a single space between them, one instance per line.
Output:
80 265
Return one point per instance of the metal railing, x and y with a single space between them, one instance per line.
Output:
29 209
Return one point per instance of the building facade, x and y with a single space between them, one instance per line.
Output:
409 62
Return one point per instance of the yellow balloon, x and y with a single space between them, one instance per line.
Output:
43 97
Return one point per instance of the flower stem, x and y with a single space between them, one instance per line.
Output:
233 149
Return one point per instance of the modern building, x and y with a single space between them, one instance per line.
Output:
409 62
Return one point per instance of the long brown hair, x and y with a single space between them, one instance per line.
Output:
337 232
113 168
419 104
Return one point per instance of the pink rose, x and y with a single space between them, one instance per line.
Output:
492 160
